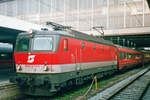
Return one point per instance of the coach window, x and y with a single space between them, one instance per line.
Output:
83 45
121 55
129 56
65 44
132 56
126 55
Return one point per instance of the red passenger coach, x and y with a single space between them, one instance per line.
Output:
146 57
128 57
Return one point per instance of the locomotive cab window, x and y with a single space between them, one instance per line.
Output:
65 44
43 43
22 44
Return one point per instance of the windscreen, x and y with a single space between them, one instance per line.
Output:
42 43
22 44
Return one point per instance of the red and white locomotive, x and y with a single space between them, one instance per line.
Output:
47 61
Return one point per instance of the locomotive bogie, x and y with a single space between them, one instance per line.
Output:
48 84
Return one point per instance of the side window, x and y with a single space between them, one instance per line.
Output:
129 56
65 44
126 55
94 47
121 55
83 45
102 48
109 49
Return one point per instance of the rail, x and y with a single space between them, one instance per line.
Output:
109 93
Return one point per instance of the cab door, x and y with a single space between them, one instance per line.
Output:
78 54
78 58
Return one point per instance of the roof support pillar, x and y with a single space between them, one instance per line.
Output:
124 23
143 14
107 14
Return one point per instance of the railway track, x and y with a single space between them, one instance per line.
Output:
132 88
146 96
9 91
135 90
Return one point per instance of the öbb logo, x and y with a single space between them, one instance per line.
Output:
31 58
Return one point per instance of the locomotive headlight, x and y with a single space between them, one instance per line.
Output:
45 68
18 67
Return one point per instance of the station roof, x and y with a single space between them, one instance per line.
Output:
138 41
1 1
148 2
139 36
10 27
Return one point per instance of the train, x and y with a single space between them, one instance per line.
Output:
6 56
48 61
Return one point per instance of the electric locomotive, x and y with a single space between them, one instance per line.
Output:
48 61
